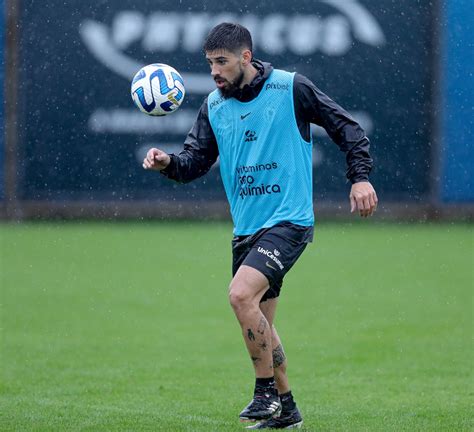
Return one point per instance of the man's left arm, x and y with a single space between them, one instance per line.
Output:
313 106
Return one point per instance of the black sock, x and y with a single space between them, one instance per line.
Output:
287 402
265 383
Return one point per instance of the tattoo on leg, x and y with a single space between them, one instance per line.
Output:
262 325
263 346
278 356
250 335
255 360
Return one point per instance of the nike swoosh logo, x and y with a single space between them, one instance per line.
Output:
268 265
245 115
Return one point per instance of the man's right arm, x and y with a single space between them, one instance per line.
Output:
199 153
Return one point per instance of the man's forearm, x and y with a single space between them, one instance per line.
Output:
359 162
187 166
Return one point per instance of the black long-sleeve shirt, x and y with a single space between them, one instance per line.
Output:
311 106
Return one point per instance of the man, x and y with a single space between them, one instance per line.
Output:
258 122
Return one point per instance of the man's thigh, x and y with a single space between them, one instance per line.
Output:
273 251
248 283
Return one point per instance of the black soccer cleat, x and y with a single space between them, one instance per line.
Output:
264 405
290 420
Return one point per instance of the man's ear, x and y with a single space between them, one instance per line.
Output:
246 57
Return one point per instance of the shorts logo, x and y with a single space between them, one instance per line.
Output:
276 253
271 256
269 265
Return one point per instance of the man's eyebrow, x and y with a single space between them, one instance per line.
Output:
216 58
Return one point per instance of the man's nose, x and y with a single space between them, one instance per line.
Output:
215 70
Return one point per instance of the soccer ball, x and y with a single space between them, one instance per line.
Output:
157 89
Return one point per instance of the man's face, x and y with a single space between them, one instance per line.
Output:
226 70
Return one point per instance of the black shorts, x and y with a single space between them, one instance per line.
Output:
271 251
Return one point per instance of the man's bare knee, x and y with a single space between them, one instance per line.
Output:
246 288
239 297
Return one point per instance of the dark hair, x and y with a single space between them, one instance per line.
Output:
228 36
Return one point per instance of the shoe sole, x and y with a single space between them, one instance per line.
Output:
251 420
296 425
293 426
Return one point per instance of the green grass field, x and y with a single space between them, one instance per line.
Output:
126 327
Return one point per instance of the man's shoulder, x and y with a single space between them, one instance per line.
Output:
304 88
281 72
302 80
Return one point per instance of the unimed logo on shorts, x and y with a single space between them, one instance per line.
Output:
270 255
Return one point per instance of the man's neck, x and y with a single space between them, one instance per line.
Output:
249 74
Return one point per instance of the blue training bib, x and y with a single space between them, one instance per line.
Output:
266 166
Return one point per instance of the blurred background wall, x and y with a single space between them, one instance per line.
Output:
457 150
2 107
71 141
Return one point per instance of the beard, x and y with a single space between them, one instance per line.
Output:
232 87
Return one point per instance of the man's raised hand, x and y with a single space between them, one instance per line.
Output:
156 160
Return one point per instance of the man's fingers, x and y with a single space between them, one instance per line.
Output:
353 203
363 205
152 154
363 198
367 206
373 203
156 160
360 205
